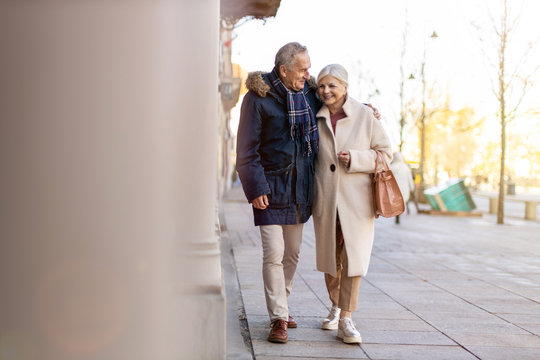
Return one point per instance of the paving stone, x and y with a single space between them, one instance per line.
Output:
391 315
365 305
308 350
508 305
505 353
295 358
471 314
476 327
258 308
472 288
521 318
452 305
392 324
532 293
508 340
405 337
416 352
367 288
533 328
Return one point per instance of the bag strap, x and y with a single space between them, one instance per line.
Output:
373 181
385 164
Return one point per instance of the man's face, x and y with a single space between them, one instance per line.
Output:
295 78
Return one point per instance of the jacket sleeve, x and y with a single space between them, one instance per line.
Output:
248 159
364 160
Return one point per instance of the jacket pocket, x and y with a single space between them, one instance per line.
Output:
280 182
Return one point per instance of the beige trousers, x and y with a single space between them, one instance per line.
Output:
281 249
342 289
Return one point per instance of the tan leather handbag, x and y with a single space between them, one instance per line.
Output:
387 198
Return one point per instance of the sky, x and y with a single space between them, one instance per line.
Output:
367 36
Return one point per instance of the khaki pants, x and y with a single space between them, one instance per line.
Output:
281 249
343 290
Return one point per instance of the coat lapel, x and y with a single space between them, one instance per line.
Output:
346 136
324 115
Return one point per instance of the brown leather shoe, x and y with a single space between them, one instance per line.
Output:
292 324
278 334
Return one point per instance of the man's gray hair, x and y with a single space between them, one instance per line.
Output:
287 55
336 71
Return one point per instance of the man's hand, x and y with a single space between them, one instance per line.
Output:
260 202
375 111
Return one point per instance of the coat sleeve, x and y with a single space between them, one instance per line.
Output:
248 159
364 160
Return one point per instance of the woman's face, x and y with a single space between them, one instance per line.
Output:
332 91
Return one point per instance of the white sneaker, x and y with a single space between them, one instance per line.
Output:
331 321
347 332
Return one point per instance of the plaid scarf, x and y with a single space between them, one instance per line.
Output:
301 118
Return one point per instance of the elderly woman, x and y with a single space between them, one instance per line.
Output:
343 205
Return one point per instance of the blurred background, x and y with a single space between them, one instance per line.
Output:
432 68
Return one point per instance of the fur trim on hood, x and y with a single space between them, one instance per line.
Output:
256 83
312 82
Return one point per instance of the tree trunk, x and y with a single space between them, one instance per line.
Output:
422 166
401 90
502 103
500 210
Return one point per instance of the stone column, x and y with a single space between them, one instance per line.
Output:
108 127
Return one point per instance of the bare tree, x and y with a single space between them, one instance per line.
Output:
423 118
403 109
365 81
510 80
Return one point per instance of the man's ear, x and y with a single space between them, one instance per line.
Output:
283 71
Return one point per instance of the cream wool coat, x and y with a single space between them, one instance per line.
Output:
347 190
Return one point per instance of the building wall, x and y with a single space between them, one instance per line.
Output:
229 94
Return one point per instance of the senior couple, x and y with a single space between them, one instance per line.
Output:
308 148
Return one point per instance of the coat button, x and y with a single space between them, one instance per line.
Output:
332 167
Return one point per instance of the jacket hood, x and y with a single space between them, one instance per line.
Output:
258 83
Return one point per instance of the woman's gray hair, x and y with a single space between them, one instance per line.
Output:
336 71
287 54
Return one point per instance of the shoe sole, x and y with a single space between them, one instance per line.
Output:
329 326
279 341
350 339
292 326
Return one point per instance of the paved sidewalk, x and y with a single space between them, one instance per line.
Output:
438 288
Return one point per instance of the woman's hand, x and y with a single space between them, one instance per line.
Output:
344 158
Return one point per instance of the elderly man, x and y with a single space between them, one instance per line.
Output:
277 142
